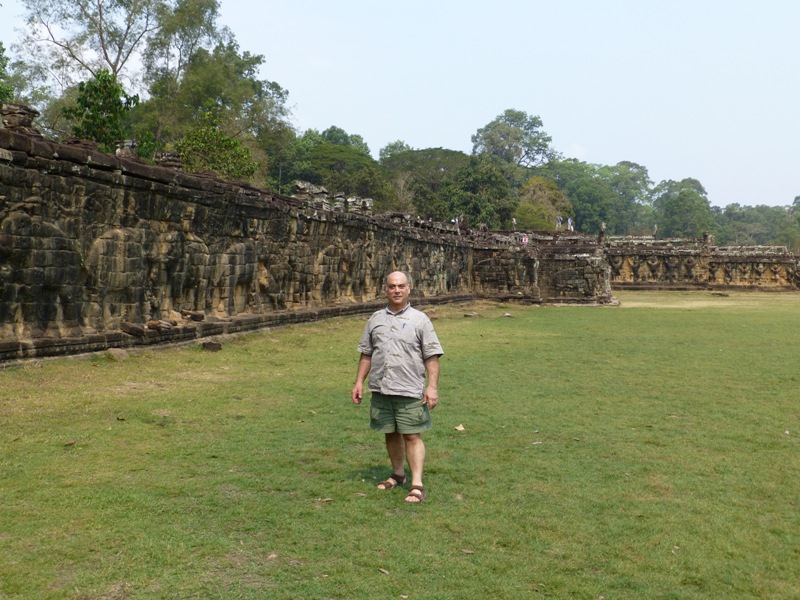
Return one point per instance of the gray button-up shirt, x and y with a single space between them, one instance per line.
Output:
399 343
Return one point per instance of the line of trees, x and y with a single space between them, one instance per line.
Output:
166 74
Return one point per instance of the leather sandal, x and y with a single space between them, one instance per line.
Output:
392 482
416 495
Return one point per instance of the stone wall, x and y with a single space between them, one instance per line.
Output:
101 251
648 263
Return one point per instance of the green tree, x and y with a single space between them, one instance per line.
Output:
342 168
338 136
681 208
418 177
6 91
514 137
206 147
540 203
391 149
630 211
754 225
480 192
589 193
225 81
99 111
789 232
183 28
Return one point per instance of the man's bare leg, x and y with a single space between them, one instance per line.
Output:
415 454
395 447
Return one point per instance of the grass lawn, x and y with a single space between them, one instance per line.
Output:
646 451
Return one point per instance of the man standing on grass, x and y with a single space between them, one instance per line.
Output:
398 347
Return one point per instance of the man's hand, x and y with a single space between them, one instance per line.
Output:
357 393
364 364
431 397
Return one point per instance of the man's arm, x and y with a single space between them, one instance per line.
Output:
431 396
364 364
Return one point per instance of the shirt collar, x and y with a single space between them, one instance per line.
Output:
399 312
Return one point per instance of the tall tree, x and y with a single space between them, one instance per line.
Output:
681 208
514 137
480 192
225 82
73 38
630 211
183 28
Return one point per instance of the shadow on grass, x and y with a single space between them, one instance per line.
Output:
377 473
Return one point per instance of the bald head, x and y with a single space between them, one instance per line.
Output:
397 290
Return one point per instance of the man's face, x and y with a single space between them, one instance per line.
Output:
397 291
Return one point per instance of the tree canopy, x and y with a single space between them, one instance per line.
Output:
514 137
167 74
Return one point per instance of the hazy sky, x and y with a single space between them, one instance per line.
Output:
707 89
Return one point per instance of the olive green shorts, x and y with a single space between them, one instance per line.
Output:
389 414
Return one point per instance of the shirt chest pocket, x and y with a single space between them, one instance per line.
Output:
407 334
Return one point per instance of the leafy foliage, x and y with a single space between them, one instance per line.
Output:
99 110
514 137
540 203
6 91
206 147
418 179
392 148
338 136
479 192
682 209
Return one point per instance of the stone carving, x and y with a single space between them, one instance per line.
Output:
92 246
690 263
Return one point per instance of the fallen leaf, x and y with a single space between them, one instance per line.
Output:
70 443
537 443
467 551
325 500
272 556
362 494
459 428
404 596
384 571
313 412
